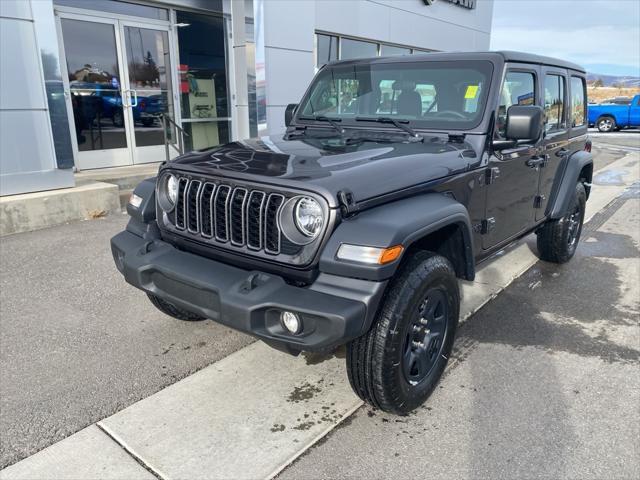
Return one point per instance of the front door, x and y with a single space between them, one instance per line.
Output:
118 82
512 179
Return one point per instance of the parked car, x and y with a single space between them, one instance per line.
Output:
109 105
611 117
355 225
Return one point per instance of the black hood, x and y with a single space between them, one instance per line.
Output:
327 166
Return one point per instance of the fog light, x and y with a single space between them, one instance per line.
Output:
291 322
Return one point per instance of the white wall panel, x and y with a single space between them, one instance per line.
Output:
288 74
289 24
15 9
20 74
275 119
418 31
25 142
354 18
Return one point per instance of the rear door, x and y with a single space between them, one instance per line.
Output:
556 137
512 181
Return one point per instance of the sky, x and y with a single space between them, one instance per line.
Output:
601 35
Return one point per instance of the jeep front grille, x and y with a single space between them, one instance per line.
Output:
235 216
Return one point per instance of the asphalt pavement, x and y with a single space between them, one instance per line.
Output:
545 380
77 345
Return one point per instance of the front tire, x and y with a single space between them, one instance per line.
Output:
557 240
396 365
173 310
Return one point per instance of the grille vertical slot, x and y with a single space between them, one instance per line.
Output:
221 220
272 230
180 204
206 209
255 216
237 216
193 206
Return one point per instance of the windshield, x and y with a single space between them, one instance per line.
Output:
432 95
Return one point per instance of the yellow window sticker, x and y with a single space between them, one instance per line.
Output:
472 91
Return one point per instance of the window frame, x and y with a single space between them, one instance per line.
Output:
564 121
514 68
579 129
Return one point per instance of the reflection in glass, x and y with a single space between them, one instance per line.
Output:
327 49
205 134
203 79
150 82
94 84
357 49
387 50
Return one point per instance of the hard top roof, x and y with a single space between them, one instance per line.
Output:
507 56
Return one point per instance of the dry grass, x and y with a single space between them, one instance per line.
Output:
599 94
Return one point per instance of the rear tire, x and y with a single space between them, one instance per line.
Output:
606 124
396 365
172 310
558 239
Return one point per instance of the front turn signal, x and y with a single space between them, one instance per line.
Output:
369 255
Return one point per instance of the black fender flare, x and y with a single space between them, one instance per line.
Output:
565 183
402 222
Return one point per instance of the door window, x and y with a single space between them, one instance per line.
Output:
578 102
554 102
150 82
94 84
518 89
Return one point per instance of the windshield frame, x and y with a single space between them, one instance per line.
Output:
485 99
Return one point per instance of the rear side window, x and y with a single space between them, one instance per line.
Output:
554 102
518 89
578 102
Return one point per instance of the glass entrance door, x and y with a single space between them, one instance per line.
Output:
93 86
118 83
149 88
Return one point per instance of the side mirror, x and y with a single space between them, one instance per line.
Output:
524 123
288 113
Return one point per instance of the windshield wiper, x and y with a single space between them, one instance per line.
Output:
395 123
331 121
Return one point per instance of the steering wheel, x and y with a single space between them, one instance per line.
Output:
450 113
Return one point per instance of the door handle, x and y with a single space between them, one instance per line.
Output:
135 99
535 162
562 152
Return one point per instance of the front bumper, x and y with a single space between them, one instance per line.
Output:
333 309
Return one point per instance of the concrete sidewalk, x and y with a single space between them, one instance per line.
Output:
252 413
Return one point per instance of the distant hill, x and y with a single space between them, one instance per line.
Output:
610 80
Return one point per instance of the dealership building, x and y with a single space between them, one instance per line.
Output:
96 84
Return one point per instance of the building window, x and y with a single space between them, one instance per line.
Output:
387 50
203 80
326 50
578 102
357 49
333 47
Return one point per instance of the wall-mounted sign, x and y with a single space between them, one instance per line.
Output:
463 3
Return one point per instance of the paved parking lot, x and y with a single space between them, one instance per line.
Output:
546 373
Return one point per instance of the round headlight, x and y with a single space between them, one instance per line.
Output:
309 217
172 188
168 192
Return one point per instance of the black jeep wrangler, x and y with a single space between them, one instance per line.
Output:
395 178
